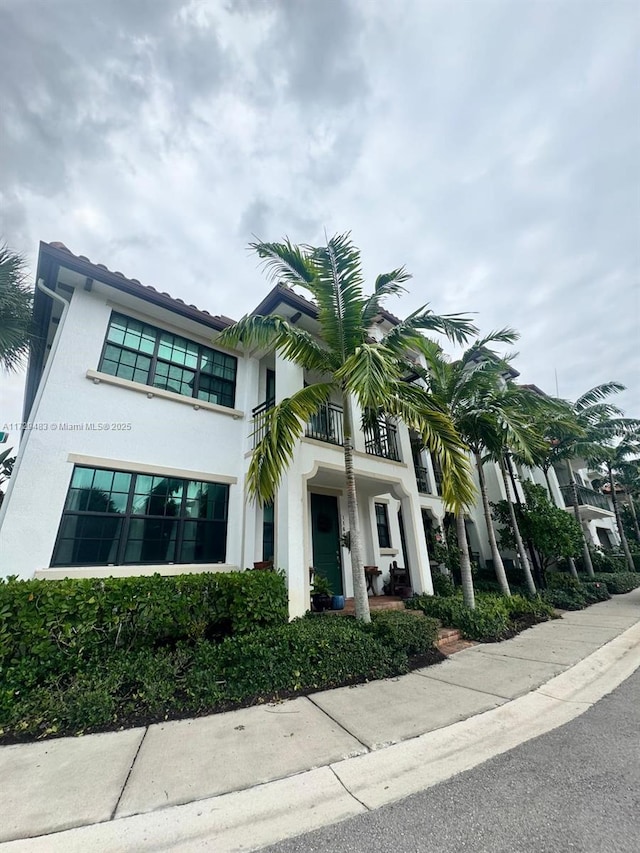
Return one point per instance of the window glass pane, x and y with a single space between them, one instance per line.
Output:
103 480
178 350
117 329
157 496
174 378
82 477
203 542
151 540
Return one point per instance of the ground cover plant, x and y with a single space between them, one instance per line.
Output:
494 618
73 660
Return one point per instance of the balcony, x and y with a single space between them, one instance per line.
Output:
381 439
587 498
327 425
260 421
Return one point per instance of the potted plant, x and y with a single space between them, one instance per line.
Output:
321 594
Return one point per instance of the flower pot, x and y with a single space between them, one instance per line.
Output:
320 602
337 602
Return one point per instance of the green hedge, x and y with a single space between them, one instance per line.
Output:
618 583
54 619
494 617
111 688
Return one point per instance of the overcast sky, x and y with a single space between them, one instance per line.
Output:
491 146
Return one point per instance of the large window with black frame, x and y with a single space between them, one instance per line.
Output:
142 353
122 518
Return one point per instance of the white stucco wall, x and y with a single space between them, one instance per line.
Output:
163 433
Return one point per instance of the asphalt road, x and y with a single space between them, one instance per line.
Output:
574 789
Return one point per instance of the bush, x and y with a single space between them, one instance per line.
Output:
403 632
596 591
47 620
110 688
443 585
618 583
566 598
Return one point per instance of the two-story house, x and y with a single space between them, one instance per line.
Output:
137 437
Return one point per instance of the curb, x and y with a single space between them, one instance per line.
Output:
265 814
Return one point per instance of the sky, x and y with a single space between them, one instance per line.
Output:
490 146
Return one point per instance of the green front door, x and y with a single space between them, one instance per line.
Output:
325 536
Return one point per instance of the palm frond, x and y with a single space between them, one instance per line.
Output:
273 332
285 262
437 431
367 373
597 394
386 284
282 426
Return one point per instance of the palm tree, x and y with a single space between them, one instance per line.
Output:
464 388
583 439
16 301
628 475
613 457
372 373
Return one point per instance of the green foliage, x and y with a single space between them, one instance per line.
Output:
595 591
114 687
565 599
494 617
553 531
54 620
442 585
16 301
605 561
618 583
321 585
404 633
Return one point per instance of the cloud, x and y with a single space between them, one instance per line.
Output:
491 147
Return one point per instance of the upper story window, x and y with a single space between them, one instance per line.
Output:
140 352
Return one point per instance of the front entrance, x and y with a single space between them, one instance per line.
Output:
325 537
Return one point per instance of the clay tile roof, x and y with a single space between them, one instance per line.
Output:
116 279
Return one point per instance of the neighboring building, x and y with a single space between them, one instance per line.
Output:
139 430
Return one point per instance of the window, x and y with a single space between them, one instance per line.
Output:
268 539
382 522
118 518
139 352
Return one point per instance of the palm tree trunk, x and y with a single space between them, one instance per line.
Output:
468 594
498 565
548 482
634 516
522 551
361 598
572 568
622 534
586 554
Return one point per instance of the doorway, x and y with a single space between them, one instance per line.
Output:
325 537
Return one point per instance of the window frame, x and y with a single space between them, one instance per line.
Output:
155 359
382 526
127 516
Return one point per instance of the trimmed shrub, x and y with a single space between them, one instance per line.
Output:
49 620
618 583
404 633
596 591
565 598
110 688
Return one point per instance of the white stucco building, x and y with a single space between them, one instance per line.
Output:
137 438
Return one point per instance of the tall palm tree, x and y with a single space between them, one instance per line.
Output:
613 458
372 373
628 475
582 439
465 388
16 301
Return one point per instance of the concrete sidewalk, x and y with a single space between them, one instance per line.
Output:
324 757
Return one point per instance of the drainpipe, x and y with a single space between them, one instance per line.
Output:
41 386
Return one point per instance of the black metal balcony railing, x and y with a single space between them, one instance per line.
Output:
260 421
381 439
327 425
586 497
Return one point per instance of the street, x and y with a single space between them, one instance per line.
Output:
574 789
